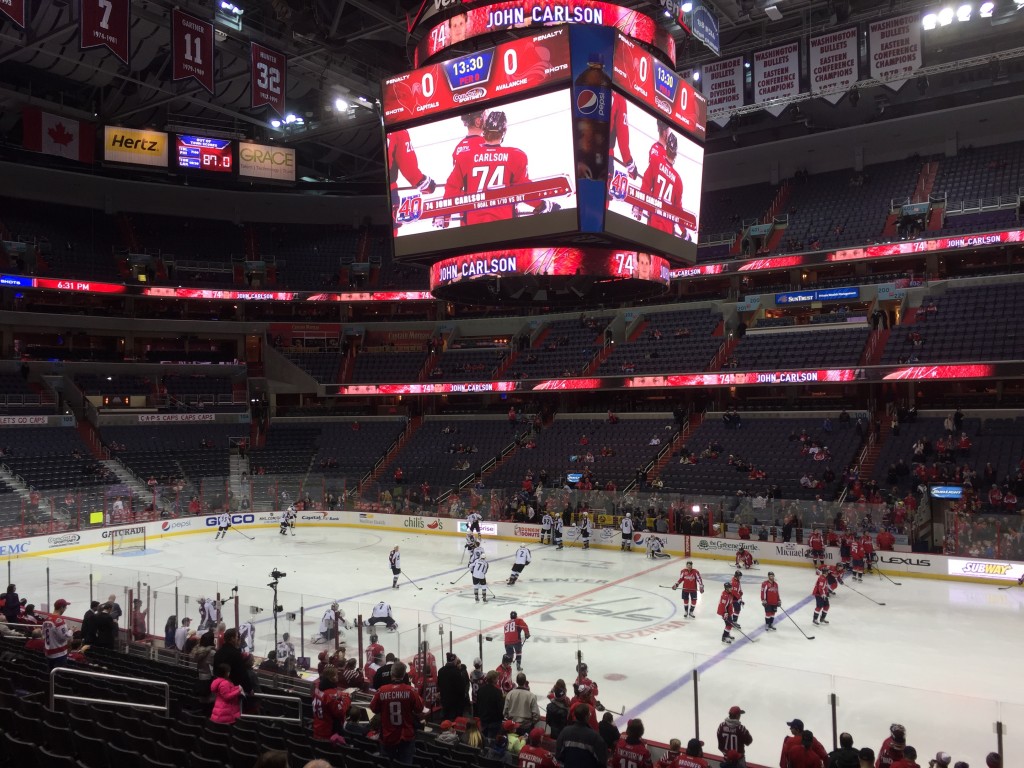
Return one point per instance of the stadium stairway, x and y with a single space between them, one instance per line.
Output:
875 346
723 353
696 419
385 463
126 477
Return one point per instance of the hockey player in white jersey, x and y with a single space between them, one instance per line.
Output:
545 529
479 574
584 526
627 533
556 527
332 617
286 651
247 634
395 563
288 520
472 542
522 559
475 554
209 613
381 614
223 523
654 548
473 521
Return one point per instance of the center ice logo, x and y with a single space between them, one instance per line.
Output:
587 101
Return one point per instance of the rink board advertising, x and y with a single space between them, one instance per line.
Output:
451 189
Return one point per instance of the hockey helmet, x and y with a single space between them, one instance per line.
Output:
727 584
373 638
334 606
513 615
470 118
629 514
738 574
495 126
671 146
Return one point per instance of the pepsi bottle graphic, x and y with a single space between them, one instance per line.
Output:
592 103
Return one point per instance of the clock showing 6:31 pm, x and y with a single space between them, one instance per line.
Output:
203 153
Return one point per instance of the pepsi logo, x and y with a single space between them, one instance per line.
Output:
638 538
587 101
165 526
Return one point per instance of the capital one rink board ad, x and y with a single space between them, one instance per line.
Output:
489 188
658 202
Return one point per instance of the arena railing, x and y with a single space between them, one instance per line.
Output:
74 672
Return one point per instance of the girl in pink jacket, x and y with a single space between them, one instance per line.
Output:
227 707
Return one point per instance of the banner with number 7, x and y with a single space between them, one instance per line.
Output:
268 69
105 23
192 46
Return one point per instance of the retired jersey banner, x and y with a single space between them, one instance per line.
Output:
105 23
268 71
14 10
192 42
722 83
776 76
895 49
833 64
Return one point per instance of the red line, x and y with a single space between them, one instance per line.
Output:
549 606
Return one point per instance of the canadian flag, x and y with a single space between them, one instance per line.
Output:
55 135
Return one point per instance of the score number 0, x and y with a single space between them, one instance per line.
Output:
510 61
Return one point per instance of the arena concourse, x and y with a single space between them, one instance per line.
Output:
728 474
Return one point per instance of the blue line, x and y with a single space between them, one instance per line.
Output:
675 685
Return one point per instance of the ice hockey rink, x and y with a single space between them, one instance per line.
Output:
940 657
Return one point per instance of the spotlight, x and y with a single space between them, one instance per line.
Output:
963 13
696 76
290 118
687 7
986 10
275 123
946 17
668 14
930 21
340 105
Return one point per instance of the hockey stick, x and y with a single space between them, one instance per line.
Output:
460 578
736 627
860 593
250 538
665 586
1011 586
881 573
412 582
463 555
809 637
488 588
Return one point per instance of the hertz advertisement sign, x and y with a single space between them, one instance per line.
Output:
260 161
128 145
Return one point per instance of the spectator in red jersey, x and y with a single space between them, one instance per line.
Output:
808 753
35 643
399 707
796 739
533 755
733 735
886 541
630 750
694 757
330 705
227 707
909 759
892 747
668 760
57 635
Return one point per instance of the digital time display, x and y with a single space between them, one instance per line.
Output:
469 70
202 153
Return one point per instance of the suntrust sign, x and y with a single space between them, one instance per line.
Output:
261 161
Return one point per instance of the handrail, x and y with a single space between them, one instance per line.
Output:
284 718
85 673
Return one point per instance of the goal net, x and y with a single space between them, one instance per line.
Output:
132 539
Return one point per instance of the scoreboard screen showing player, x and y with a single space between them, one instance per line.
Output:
202 153
489 175
654 181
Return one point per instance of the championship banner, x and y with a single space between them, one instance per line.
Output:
14 10
105 23
192 44
646 79
519 65
722 83
895 48
833 64
703 25
268 72
776 76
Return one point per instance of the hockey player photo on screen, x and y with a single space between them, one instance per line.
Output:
655 177
489 165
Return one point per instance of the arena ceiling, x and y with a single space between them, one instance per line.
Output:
340 49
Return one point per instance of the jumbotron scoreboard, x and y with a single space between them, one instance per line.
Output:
563 166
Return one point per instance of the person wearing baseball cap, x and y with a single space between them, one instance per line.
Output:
57 635
732 734
534 754
798 744
448 736
942 760
694 757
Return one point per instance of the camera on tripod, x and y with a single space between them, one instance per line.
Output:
276 574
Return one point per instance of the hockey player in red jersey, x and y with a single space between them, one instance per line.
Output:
744 559
692 583
533 755
423 666
630 750
585 694
725 610
816 543
821 592
490 166
893 746
402 160
662 181
374 649
620 134
516 632
844 550
771 600
737 594
834 575
857 559
504 671
869 550
582 679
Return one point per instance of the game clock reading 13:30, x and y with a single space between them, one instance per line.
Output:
203 153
